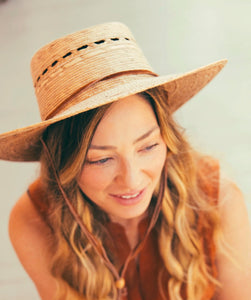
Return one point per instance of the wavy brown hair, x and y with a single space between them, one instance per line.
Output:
187 211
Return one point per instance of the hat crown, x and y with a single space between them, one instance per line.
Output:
90 68
65 66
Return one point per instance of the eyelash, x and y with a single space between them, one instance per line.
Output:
148 148
100 161
105 160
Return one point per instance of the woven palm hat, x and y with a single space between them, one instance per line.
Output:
90 68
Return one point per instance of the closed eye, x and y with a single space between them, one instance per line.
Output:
100 161
148 148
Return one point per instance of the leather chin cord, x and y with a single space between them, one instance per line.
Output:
118 276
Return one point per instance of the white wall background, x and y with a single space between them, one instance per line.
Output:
176 36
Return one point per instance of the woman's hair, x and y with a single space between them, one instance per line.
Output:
187 217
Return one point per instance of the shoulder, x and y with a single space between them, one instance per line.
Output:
235 268
233 212
234 219
231 202
30 237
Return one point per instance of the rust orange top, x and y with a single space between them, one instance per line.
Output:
142 275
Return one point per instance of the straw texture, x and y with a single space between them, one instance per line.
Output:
90 68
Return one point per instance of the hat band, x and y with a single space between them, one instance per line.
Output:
83 94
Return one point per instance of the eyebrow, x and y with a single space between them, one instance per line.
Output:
142 137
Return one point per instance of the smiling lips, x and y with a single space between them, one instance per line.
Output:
129 198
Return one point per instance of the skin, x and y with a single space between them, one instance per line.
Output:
120 166
235 277
127 173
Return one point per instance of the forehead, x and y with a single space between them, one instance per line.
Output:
126 118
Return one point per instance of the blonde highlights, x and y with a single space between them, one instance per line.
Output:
76 265
184 204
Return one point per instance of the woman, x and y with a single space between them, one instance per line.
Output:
123 208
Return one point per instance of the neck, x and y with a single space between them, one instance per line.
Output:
131 228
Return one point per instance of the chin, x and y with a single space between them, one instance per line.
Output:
130 214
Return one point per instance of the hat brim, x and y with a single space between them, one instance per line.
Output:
23 144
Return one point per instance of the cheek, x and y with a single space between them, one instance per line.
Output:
91 180
158 160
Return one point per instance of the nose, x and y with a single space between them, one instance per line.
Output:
128 174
